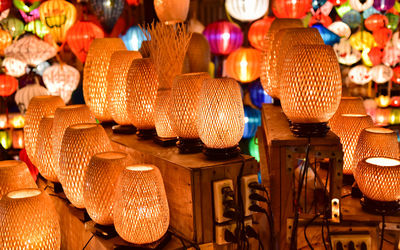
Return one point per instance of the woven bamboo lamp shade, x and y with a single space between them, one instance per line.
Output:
63 118
141 213
14 175
99 185
348 105
95 75
311 88
44 153
269 53
162 119
39 106
28 220
349 130
198 53
117 82
376 142
183 110
79 144
220 117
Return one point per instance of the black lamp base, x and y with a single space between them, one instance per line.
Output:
380 207
189 146
124 129
145 134
309 129
165 141
221 153
348 180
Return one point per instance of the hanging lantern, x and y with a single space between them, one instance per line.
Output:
8 85
17 121
252 120
244 65
247 10
396 75
133 2
24 95
395 101
328 36
198 53
13 25
393 21
5 4
224 37
340 28
171 11
381 73
133 38
5 139
391 56
352 18
37 28
375 22
382 36
348 105
3 121
14 175
21 5
360 75
258 96
61 80
375 55
107 12
383 101
258 30
365 58
361 5
395 114
370 11
14 67
383 5
30 16
290 9
5 40
343 9
316 4
382 116
345 53
337 2
320 18
361 41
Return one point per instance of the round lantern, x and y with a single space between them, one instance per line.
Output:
337 2
290 9
244 65
360 5
44 153
370 11
393 21
5 40
320 18
224 37
14 67
395 115
381 73
362 40
375 22
258 30
383 101
328 36
360 75
395 101
5 4
5 139
348 105
383 5
198 53
107 12
79 144
391 56
133 38
171 11
382 36
26 7
345 53
340 28
37 28
141 213
30 16
14 175
375 55
396 75
29 220
254 149
247 10
258 96
99 185
341 10
396 39
18 139
13 25
352 18
252 120
8 85
24 95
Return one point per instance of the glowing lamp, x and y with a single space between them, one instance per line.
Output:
8 85
340 28
290 9
383 101
44 153
382 36
394 116
320 18
5 40
243 65
375 22
395 101
248 10
133 38
310 101
108 12
13 25
5 139
383 5
26 7
337 2
393 21
360 5
18 121
348 105
14 175
99 185
3 121
382 116
375 55
18 138
381 73
14 67
29 220
360 75
141 213
391 56
198 53
343 9
345 53
362 40
24 95
252 120
5 4
224 37
254 148
328 36
258 96
396 75
162 120
79 144
171 11
220 123
258 30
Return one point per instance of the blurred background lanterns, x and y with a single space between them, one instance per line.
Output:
171 11
395 101
5 40
382 116
198 53
224 37
14 175
247 10
107 11
352 18
382 36
340 28
381 73
258 30
252 120
13 25
360 75
362 40
133 38
258 96
5 4
375 22
361 5
5 138
383 101
30 16
8 85
244 65
375 55
290 8
396 75
24 95
328 36
394 116
26 7
345 53
37 28
383 5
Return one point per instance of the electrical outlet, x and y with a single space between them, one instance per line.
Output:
220 232
351 241
246 191
219 207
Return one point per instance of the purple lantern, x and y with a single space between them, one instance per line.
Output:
31 16
383 5
224 37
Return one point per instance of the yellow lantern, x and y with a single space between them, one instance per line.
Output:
362 40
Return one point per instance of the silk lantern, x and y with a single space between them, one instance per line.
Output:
198 53
348 105
13 25
244 65
383 5
345 53
224 37
18 138
220 117
24 95
107 12
290 8
5 4
30 16
5 40
393 21
133 38
258 30
37 28
247 10
362 40
382 36
395 116
171 11
14 175
352 18
258 96
26 7
8 85
5 139
381 73
395 101
396 75
340 28
360 5
252 120
328 36
375 22
99 185
343 9
14 67
360 75
391 56
44 153
337 2
375 55
383 101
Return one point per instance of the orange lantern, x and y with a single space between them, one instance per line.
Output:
382 36
244 65
396 75
290 8
337 2
258 30
375 55
376 21
320 18
5 40
18 138
8 85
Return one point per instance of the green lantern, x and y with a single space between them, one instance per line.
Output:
393 20
395 116
5 139
343 9
254 149
14 26
20 4
37 28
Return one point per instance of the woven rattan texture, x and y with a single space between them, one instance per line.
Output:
162 119
14 175
348 105
44 154
198 53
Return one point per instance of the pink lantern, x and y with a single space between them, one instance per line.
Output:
30 16
381 73
360 75
391 56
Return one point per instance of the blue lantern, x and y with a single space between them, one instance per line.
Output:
352 18
252 119
258 96
328 36
133 38
316 4
369 11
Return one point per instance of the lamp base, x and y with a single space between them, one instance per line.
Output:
276 102
159 244
107 124
221 153
380 207
348 179
124 129
309 129
145 134
189 146
165 141
105 232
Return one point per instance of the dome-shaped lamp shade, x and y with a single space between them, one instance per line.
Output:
183 109
142 85
290 8
39 107
117 82
198 53
172 11
224 37
311 88
220 117
258 96
95 75
63 118
348 105
252 119
44 153
133 38
14 175
79 144
141 213
349 130
28 220
247 10
162 119
270 53
244 65
258 30
100 181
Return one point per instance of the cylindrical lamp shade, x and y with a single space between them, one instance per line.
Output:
162 119
117 82
348 105
14 175
247 10
198 53
100 181
311 88
39 107
171 11
141 213
95 75
63 118
350 127
28 220
44 154
244 65
79 144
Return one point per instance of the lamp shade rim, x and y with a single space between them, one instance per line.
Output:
354 115
24 193
84 126
140 168
72 106
111 155
381 161
379 130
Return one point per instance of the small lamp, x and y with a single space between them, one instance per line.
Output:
141 213
14 175
99 185
348 105
44 154
220 117
79 144
165 135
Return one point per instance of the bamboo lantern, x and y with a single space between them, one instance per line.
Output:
14 175
162 121
99 185
270 52
44 155
311 89
171 11
39 107
349 130
63 118
244 65
141 213
198 53
247 10
29 221
117 82
141 90
183 110
220 117
95 75
79 144
348 105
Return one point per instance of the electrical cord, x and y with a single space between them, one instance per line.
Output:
87 243
383 231
305 230
182 239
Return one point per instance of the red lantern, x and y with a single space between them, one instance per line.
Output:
224 37
396 75
290 8
8 85
320 18
337 2
244 65
5 4
133 2
375 55
382 36
258 30
375 22
395 101
80 36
